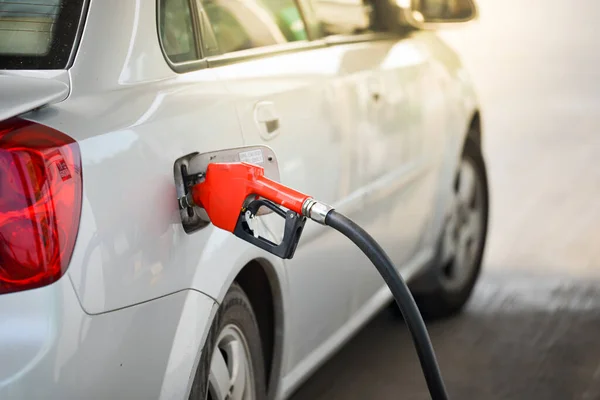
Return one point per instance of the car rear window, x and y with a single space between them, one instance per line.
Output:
38 34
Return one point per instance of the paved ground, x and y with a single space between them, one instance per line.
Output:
532 328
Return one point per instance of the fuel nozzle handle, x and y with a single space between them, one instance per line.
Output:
229 187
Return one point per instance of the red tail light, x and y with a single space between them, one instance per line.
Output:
40 204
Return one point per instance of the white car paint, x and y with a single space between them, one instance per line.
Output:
372 127
57 351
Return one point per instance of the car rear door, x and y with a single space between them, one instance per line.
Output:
304 98
398 180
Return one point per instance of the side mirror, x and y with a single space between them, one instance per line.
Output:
431 14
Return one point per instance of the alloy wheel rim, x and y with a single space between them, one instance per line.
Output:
463 234
231 375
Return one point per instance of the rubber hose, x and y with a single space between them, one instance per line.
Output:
402 295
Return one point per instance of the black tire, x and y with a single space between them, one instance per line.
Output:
237 310
438 302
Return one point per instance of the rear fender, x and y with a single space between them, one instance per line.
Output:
22 93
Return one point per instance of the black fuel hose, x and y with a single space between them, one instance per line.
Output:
402 295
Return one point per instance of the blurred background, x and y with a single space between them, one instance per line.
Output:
532 329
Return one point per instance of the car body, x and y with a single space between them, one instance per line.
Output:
372 123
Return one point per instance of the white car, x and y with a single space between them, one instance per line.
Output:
107 291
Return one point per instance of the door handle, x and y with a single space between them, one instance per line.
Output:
375 92
267 119
375 88
272 125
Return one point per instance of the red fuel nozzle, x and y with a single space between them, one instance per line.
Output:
227 186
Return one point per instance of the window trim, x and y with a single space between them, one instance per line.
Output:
56 50
334 40
186 66
80 29
262 52
296 47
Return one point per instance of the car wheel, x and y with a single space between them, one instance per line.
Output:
231 365
458 262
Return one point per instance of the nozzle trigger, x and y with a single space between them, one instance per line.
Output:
294 224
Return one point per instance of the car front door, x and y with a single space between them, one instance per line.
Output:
402 153
303 95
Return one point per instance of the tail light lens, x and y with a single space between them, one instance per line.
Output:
40 204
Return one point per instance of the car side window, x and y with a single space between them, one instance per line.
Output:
435 10
247 24
343 17
177 31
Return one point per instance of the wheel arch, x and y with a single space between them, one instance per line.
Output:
262 285
474 130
